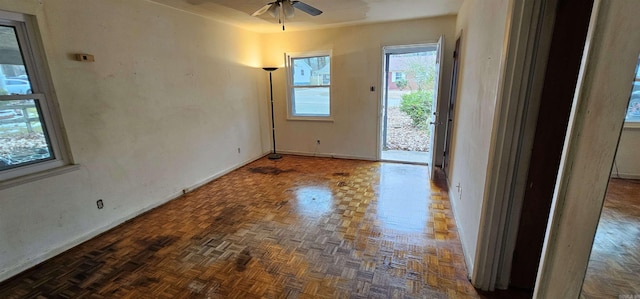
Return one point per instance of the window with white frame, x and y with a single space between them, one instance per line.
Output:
30 135
309 81
633 111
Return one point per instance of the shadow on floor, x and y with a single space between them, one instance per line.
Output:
506 294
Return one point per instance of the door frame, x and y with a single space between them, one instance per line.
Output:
400 49
528 35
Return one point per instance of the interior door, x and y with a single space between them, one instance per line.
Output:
435 119
451 109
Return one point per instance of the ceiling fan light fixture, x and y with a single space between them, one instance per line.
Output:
288 8
283 9
274 10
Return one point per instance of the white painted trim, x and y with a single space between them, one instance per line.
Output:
628 176
30 262
492 216
38 176
382 82
405 162
326 155
525 53
288 56
461 235
514 131
632 125
310 118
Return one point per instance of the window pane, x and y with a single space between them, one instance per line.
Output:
314 71
13 75
311 101
633 112
23 138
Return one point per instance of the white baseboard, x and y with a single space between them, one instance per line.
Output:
31 262
630 176
326 155
467 258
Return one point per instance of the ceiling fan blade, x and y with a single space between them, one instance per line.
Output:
262 10
306 8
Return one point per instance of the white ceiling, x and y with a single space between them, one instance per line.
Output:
335 12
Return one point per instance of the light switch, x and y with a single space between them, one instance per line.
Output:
85 57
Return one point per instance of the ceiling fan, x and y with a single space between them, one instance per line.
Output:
282 9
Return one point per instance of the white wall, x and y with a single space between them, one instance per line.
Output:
356 65
165 106
627 164
483 26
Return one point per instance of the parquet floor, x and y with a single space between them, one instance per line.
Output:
299 227
614 265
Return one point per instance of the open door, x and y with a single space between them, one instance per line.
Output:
409 98
435 117
451 108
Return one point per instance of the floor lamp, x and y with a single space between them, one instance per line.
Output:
274 155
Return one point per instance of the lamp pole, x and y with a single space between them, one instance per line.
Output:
274 155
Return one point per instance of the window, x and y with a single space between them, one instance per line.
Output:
309 85
29 134
633 112
398 76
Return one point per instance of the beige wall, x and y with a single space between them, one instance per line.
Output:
168 102
165 106
483 26
356 65
627 164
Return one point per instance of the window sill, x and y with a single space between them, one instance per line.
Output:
631 125
38 176
310 118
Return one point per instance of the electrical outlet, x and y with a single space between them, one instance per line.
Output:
100 204
318 141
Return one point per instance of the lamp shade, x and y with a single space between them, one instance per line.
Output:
287 8
274 10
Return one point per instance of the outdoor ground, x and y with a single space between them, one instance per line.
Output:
401 134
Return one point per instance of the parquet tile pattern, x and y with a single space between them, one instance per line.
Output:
614 265
299 227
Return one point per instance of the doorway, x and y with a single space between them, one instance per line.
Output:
615 254
409 102
568 41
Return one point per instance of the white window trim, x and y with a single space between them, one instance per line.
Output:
632 125
288 68
41 85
